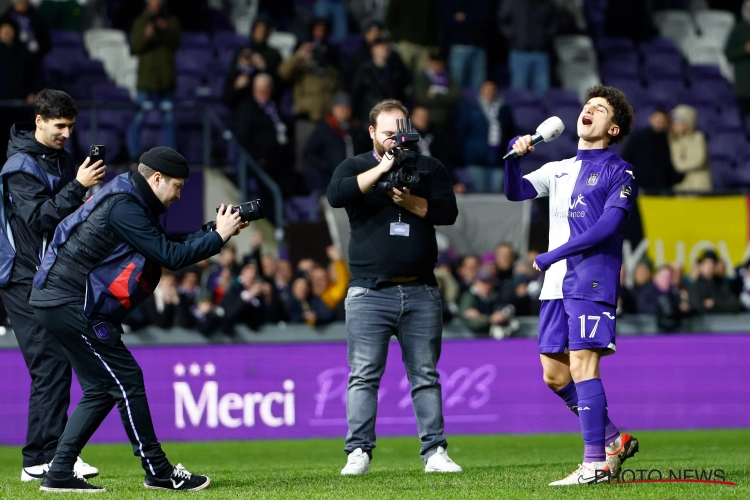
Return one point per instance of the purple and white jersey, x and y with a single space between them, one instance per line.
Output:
580 189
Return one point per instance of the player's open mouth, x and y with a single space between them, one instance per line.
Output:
586 120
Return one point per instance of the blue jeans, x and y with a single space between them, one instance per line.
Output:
148 101
413 313
335 12
486 179
468 64
529 70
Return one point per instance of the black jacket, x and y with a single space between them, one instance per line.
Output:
35 213
122 218
372 84
327 148
20 70
39 27
375 255
648 152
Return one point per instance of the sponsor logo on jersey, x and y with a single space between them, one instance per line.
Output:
609 315
561 175
626 191
592 179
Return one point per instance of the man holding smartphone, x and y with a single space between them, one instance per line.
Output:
40 187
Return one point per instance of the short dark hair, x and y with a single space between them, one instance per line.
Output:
148 172
50 104
623 116
386 106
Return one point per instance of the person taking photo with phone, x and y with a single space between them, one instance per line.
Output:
41 186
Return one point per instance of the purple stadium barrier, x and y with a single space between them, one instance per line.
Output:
262 391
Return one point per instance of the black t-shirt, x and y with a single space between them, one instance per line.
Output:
374 254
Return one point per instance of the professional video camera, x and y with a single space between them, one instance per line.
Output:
250 211
403 174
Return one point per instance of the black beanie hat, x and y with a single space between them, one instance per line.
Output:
167 161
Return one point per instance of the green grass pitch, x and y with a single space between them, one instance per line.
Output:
500 466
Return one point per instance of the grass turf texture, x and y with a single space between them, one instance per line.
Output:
503 466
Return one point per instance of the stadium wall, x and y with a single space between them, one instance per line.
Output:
277 391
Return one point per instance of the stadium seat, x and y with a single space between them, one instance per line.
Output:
569 116
715 26
65 38
561 97
528 117
114 57
699 51
187 83
675 24
193 60
228 41
519 97
729 144
662 63
127 75
579 78
617 69
98 36
658 45
577 49
704 72
608 46
194 40
283 42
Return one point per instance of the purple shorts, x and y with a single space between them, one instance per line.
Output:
576 324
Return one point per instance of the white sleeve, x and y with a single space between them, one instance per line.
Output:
541 178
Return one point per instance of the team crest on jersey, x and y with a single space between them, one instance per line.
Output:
592 179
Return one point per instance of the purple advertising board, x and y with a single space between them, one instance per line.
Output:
261 391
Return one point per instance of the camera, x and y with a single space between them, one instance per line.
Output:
404 173
249 211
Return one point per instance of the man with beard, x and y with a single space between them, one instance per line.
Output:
392 289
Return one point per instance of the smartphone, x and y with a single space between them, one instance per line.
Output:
97 153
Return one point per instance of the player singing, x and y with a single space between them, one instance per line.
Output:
591 196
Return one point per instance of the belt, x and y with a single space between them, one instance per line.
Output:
402 279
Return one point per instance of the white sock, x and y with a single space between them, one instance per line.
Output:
614 446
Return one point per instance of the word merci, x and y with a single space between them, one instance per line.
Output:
233 410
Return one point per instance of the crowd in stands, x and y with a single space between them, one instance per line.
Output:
474 72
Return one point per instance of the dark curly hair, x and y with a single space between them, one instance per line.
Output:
52 104
624 115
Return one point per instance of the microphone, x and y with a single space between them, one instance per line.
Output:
549 130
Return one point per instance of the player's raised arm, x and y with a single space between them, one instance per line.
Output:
517 188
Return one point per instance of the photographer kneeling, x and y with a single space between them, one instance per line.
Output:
104 261
394 199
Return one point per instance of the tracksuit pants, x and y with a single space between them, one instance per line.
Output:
109 375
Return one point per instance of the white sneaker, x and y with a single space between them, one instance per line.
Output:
84 469
357 463
586 473
441 462
33 473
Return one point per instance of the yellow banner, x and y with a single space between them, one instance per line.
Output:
679 229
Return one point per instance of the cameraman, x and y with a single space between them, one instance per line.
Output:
392 290
104 261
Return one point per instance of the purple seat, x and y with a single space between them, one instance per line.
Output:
729 144
642 113
65 38
64 60
615 69
610 45
569 116
707 118
193 59
730 119
561 97
83 83
698 72
719 91
662 64
110 92
349 44
468 94
658 45
667 88
624 58
191 39
89 67
186 86
528 117
302 209
110 137
229 41
519 96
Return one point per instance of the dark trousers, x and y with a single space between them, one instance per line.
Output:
109 376
50 377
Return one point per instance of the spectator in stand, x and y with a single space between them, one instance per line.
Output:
689 151
661 299
161 309
737 51
32 29
641 281
280 13
435 90
380 77
484 127
188 291
203 315
333 140
304 307
647 150
710 294
155 39
238 86
414 39
21 78
742 285
62 14
263 133
282 279
522 302
312 72
244 302
505 258
529 27
259 45
482 309
122 13
372 31
221 278
331 291
433 141
626 300
334 11
467 272
466 29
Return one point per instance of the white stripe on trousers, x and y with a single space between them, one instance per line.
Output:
127 404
